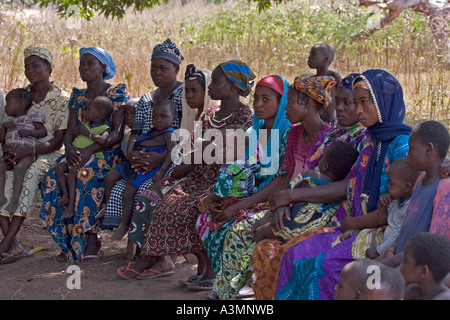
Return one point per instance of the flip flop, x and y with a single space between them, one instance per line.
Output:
92 259
198 286
156 274
121 272
191 280
11 258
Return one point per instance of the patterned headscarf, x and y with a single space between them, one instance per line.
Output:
192 73
317 87
347 82
188 121
240 74
104 57
40 52
169 51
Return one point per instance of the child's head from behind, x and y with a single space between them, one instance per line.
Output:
401 177
429 141
98 110
130 112
337 160
320 56
164 114
383 283
352 278
427 257
18 102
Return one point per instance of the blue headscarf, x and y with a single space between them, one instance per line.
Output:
240 74
347 82
387 94
281 123
104 57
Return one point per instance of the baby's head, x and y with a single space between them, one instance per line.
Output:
337 160
130 112
18 102
99 109
383 283
428 141
321 55
427 256
164 114
401 179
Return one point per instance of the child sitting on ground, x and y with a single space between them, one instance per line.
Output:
352 278
320 58
425 266
235 179
382 283
392 207
95 130
334 165
158 140
22 130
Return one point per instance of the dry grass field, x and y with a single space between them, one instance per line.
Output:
276 41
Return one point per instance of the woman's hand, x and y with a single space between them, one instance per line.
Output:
73 156
16 153
141 160
221 216
445 168
182 170
282 213
279 199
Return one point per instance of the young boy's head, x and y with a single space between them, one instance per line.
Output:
383 283
99 109
130 111
429 141
427 258
321 55
337 160
164 114
18 102
352 278
401 179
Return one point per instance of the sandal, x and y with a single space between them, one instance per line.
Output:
198 286
191 280
122 274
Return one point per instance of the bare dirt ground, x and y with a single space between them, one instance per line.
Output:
41 277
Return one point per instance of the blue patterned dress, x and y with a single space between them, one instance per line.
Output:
70 234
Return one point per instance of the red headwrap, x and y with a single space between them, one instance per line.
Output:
273 82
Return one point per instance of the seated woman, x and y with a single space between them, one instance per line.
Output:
380 105
166 59
196 101
50 100
230 80
348 129
77 236
305 97
269 103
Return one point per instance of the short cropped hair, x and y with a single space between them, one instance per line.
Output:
21 94
403 169
104 105
340 157
434 132
432 250
173 107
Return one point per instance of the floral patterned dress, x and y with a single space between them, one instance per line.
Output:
70 234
